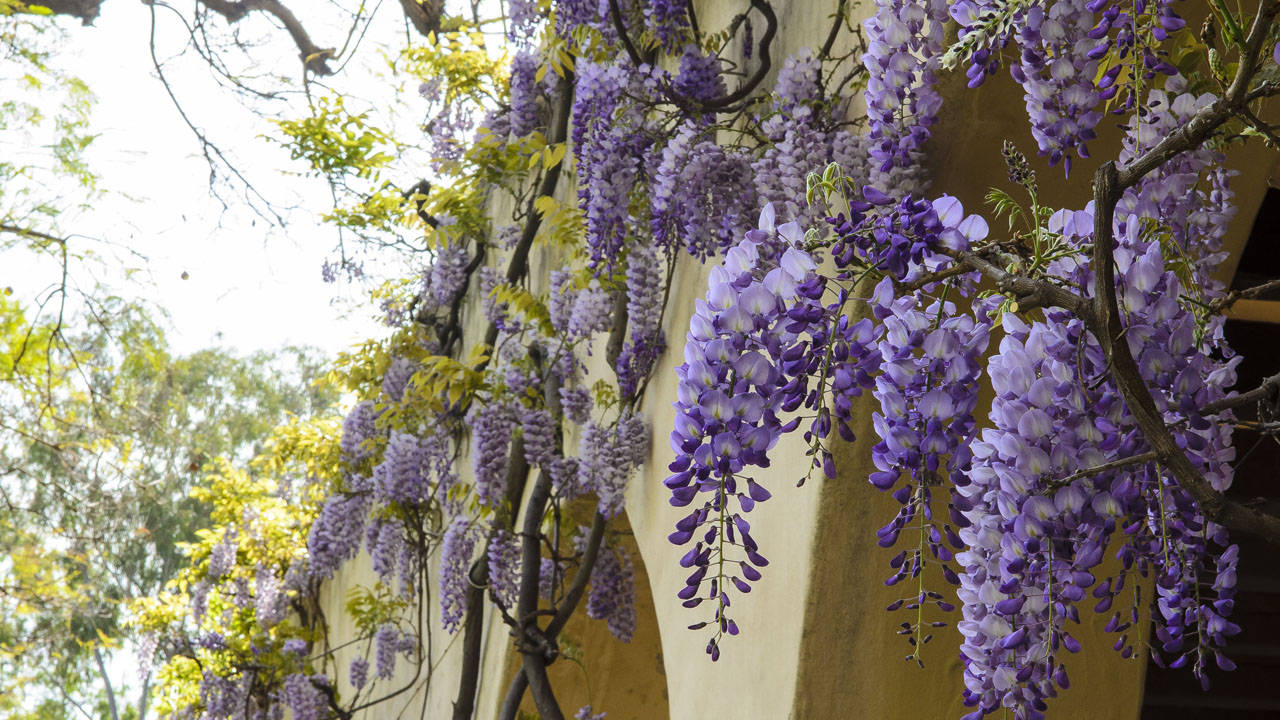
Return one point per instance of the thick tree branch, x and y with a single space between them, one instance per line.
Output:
538 648
837 23
1238 95
1265 389
1226 301
1105 322
106 681
1029 292
85 10
473 623
29 233
515 693
425 15
314 58
724 102
573 596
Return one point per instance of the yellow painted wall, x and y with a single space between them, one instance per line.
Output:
816 642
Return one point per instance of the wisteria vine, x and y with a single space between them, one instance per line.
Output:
839 286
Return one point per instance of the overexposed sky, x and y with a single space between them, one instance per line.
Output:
248 285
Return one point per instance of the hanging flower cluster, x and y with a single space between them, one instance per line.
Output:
746 365
904 46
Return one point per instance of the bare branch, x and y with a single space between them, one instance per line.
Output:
1230 298
1027 291
424 15
314 58
1264 390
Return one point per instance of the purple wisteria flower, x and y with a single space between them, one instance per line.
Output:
504 567
1040 516
904 47
525 93
456 549
357 428
753 346
303 698
335 534
612 596
646 284
702 194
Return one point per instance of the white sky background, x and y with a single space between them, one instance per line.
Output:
250 286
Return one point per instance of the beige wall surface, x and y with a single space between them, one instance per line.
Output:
816 641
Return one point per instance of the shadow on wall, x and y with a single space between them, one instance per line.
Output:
626 680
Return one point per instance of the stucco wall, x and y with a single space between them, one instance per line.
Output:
815 642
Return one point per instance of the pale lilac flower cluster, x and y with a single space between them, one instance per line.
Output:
606 136
492 424
504 567
702 194
222 558
522 20
646 285
386 640
357 428
1041 518
268 597
400 477
1056 69
550 574
304 699
447 277
396 380
450 134
560 297
573 15
576 404
221 697
358 672
539 430
525 92
585 713
384 541
666 19
699 76
803 137
592 311
904 46
606 457
455 567
745 363
335 534
1189 193
612 597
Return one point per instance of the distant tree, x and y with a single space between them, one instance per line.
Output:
102 445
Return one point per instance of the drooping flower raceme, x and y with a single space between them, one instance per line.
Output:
930 362
1042 514
456 550
610 147
753 344
1056 68
646 293
904 46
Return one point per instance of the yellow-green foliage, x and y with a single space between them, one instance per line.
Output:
334 140
271 529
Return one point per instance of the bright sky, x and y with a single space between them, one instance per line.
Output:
248 285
